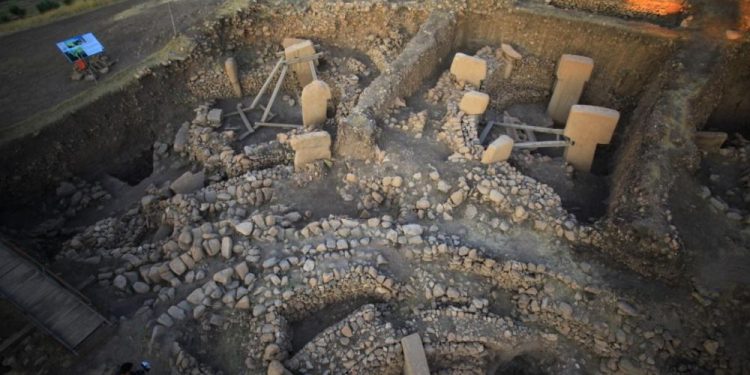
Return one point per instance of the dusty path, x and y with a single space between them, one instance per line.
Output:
35 76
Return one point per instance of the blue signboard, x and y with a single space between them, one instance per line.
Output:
81 46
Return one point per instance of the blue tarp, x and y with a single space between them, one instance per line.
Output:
80 46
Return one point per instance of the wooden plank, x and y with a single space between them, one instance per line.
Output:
76 325
62 308
46 300
8 263
31 294
87 323
10 280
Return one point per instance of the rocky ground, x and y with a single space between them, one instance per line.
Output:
227 260
482 261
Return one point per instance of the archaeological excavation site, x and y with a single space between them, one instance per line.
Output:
389 187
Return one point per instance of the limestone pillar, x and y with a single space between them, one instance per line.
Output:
469 69
499 150
474 103
415 360
230 66
302 69
587 127
572 74
314 102
309 147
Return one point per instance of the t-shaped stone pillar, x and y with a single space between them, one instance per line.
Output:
309 147
301 69
572 73
474 103
499 150
587 127
469 69
314 101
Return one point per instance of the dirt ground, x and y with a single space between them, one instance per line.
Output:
36 76
500 268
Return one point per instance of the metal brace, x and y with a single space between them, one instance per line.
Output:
561 140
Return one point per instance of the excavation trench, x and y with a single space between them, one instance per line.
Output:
370 63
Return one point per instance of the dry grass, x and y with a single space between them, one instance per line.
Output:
34 19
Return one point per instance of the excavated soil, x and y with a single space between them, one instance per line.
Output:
519 267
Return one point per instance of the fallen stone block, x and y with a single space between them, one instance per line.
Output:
469 69
573 72
415 360
474 103
188 182
587 127
499 150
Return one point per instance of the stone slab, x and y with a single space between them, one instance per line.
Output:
588 126
415 360
474 103
469 69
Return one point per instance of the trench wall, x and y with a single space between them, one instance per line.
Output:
626 55
124 124
666 12
98 138
732 114
420 59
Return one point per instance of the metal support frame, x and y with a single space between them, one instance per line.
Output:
541 144
267 114
275 93
560 141
277 125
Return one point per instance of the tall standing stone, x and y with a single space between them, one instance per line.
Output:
573 72
415 360
302 69
587 127
230 67
314 102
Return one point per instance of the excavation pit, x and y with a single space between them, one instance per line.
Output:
319 244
